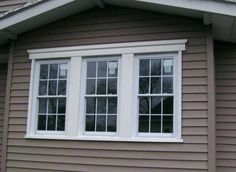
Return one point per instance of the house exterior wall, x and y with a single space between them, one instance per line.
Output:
225 55
112 25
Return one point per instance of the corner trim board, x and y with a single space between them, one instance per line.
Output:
211 102
7 105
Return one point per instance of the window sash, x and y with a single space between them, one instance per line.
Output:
96 95
47 96
174 94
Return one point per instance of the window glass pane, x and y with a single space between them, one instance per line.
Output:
156 67
60 122
51 122
144 105
112 86
144 123
111 123
42 122
100 83
156 105
62 87
101 105
167 67
90 87
156 124
52 108
90 105
101 86
112 68
43 71
155 85
42 88
101 123
102 69
42 106
167 105
52 105
143 85
167 85
63 71
112 105
52 88
53 71
167 124
90 123
144 67
61 105
91 69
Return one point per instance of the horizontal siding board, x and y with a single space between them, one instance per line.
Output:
167 147
113 25
118 39
125 162
78 34
73 168
108 154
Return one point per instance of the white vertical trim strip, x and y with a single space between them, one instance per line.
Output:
74 78
179 95
30 114
126 99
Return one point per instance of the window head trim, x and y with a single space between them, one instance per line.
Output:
110 49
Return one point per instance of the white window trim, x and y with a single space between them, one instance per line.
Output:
177 73
76 55
34 84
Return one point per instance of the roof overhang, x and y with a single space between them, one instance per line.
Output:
220 14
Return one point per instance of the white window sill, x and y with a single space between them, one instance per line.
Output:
105 138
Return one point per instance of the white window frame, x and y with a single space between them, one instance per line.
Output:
33 105
126 102
177 66
83 94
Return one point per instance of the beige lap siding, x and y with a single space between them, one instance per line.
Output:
3 80
226 106
112 25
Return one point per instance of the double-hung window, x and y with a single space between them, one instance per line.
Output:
156 94
101 96
114 92
51 96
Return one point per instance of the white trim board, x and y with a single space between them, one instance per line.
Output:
107 49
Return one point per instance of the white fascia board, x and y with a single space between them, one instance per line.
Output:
108 49
32 12
209 6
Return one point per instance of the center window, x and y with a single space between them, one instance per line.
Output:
155 94
101 98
